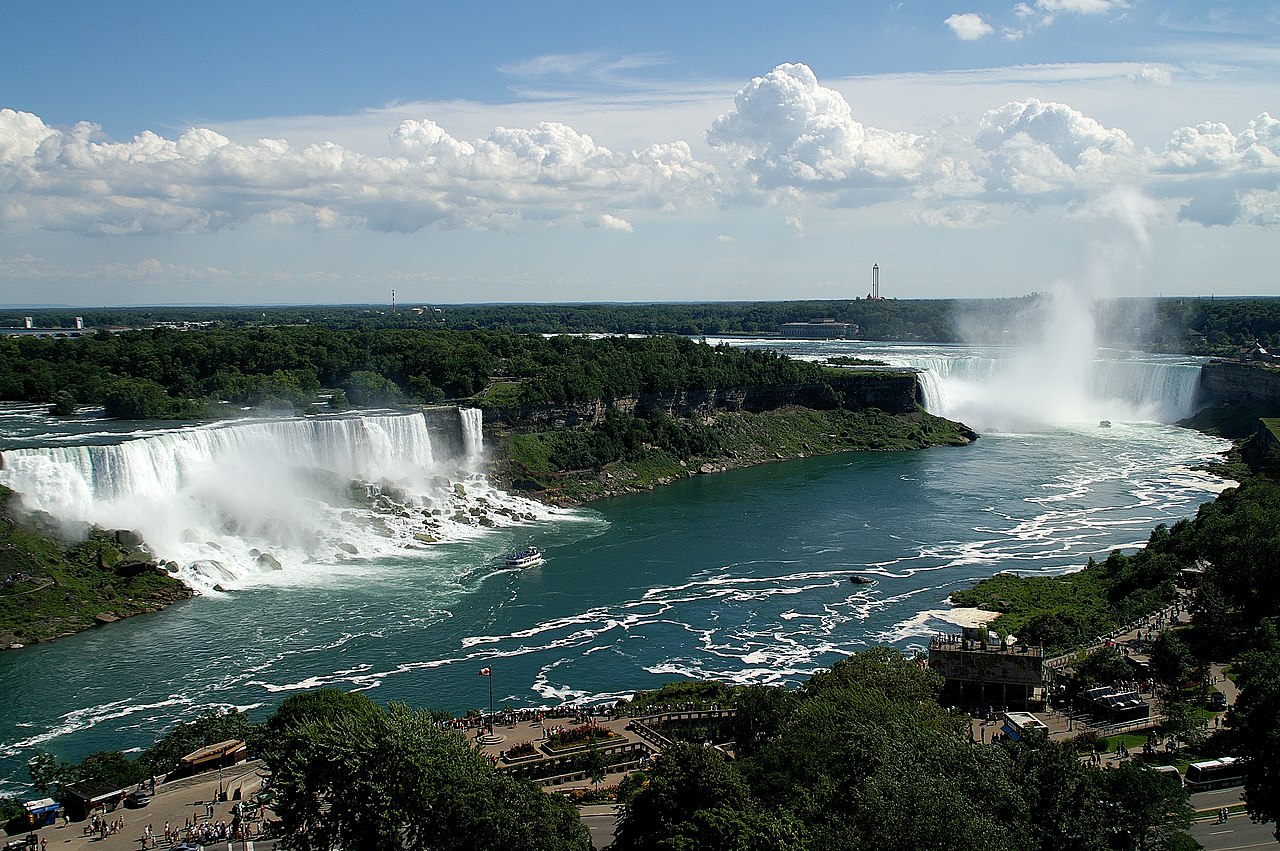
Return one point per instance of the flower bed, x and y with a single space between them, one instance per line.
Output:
520 752
577 737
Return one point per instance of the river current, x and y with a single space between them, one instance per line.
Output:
742 576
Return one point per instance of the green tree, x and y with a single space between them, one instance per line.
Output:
45 772
136 399
595 764
1255 721
1103 666
1141 806
64 404
762 712
11 808
688 788
110 767
348 774
1170 660
369 388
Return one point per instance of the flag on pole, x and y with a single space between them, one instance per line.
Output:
485 672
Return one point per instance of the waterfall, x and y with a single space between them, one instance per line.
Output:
1003 389
472 421
228 501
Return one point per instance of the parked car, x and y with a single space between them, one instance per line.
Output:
137 799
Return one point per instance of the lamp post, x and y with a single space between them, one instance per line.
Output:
487 673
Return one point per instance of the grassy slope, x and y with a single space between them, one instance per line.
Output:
47 589
744 438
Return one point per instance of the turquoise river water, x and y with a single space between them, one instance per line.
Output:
741 576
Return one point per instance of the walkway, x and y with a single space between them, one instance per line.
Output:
173 803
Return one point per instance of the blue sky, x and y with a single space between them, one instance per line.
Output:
270 152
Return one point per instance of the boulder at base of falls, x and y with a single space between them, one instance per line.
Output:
128 538
269 562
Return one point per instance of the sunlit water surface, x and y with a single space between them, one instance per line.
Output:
742 576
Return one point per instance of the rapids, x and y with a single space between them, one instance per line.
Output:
741 576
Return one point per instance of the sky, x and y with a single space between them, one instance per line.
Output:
249 152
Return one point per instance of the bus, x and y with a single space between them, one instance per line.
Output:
1170 771
1213 773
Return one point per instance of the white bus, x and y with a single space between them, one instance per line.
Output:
1210 774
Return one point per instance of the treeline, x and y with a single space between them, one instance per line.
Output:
1062 612
168 374
1194 325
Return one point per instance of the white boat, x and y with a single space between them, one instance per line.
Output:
527 557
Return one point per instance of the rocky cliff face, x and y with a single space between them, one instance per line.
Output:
1235 382
894 393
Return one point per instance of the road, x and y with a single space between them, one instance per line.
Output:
599 820
1238 833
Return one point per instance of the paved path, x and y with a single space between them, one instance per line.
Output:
173 802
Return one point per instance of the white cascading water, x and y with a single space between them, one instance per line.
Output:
472 421
229 502
1002 390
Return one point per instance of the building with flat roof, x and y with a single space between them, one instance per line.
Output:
823 329
980 669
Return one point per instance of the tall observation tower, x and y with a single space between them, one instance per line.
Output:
875 281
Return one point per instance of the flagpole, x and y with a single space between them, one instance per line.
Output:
490 695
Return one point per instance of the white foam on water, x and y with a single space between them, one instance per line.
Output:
275 501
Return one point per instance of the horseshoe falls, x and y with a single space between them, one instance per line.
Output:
741 576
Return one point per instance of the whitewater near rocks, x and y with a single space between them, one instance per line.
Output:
741 576
224 504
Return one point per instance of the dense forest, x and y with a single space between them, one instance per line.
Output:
1194 325
167 374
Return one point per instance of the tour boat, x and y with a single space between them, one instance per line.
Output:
527 557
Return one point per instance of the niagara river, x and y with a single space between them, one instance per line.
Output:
363 552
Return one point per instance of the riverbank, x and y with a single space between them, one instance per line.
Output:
742 439
50 589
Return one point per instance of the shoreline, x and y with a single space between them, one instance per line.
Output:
780 435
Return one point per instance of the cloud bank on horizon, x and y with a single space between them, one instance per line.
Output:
785 133
786 145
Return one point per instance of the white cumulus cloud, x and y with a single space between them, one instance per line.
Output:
78 180
786 130
1226 178
1035 147
611 222
969 26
